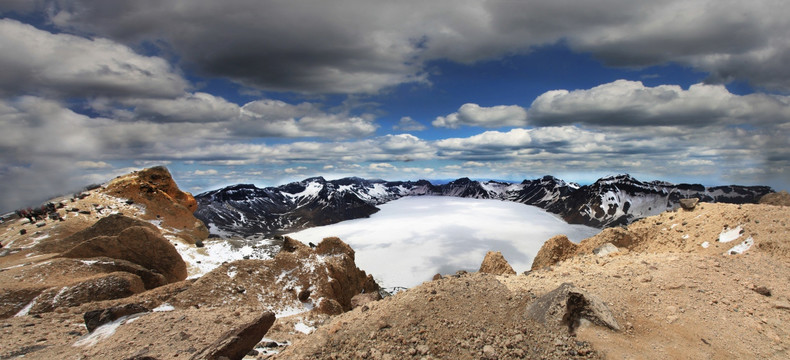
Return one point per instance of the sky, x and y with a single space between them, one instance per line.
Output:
267 92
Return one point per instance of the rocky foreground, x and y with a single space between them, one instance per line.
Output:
107 282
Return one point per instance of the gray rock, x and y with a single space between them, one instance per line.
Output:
567 305
605 250
689 204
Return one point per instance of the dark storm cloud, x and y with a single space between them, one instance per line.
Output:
364 46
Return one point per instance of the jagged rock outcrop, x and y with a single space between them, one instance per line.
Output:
155 189
328 273
567 305
494 263
554 250
137 244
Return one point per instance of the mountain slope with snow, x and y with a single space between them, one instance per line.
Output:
246 210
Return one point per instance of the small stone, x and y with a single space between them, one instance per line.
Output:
489 351
423 349
762 290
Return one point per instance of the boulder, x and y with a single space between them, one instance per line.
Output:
236 343
689 204
108 226
605 250
103 287
137 244
495 263
566 307
96 318
554 250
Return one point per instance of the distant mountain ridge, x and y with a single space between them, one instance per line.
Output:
246 210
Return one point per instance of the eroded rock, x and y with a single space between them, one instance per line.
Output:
554 250
567 305
137 244
495 263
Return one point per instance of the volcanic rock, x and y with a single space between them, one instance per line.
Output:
96 318
554 250
236 343
567 305
781 198
688 204
495 263
137 244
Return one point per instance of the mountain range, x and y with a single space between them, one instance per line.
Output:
245 210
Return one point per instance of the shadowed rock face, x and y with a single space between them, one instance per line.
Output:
137 244
108 226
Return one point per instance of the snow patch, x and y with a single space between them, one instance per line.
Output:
164 307
741 248
730 235
25 310
104 331
705 245
303 328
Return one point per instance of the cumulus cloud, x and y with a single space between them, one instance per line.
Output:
264 118
406 123
391 42
198 107
475 115
38 62
630 103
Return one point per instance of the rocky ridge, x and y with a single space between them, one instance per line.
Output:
245 210
708 281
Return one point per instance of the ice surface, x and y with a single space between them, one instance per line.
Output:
413 238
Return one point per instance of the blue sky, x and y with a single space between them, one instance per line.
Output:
276 91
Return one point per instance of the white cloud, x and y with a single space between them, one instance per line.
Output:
38 62
630 103
474 115
198 107
406 123
87 164
265 118
205 172
295 170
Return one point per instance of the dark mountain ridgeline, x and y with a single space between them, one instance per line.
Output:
245 210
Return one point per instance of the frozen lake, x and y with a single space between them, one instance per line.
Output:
413 238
